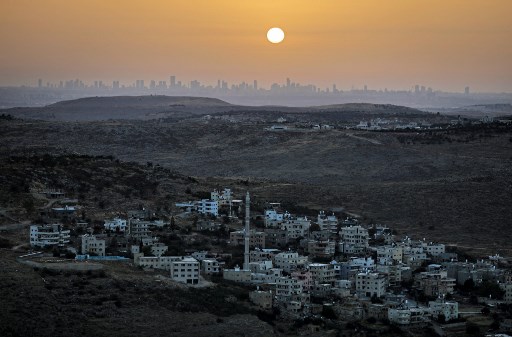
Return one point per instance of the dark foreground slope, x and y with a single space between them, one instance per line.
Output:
116 301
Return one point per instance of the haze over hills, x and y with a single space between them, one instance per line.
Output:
155 107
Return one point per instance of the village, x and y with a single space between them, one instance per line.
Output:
328 267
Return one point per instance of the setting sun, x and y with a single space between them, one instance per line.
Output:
275 35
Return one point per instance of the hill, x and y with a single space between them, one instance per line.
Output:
157 107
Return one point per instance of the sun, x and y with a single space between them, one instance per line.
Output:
275 35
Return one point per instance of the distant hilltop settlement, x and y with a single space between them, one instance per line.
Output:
301 267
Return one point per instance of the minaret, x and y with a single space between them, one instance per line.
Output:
247 233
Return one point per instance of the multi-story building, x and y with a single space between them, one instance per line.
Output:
266 254
272 217
354 240
507 287
305 277
393 273
268 276
435 281
207 207
222 197
323 249
158 249
286 288
48 235
391 252
403 315
185 270
276 237
296 227
91 245
433 249
448 309
322 273
413 256
237 275
327 222
116 224
138 228
256 239
154 262
349 269
290 261
371 284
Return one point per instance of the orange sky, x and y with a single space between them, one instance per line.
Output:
445 44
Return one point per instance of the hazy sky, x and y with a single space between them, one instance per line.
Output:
445 44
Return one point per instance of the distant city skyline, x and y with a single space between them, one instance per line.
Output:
174 82
443 44
286 92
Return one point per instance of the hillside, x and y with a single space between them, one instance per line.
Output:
177 107
122 107
450 185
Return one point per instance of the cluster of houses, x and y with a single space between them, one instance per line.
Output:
378 124
388 124
211 206
333 263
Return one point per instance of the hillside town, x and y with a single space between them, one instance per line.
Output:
325 267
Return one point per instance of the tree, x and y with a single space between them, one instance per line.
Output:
485 311
314 228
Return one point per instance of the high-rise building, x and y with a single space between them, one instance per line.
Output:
466 90
40 83
172 82
255 85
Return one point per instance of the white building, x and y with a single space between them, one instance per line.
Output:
237 275
158 249
154 262
116 224
449 309
354 239
393 252
322 273
403 315
433 249
48 235
207 206
327 222
224 198
268 276
185 270
91 245
290 261
286 288
371 284
296 227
